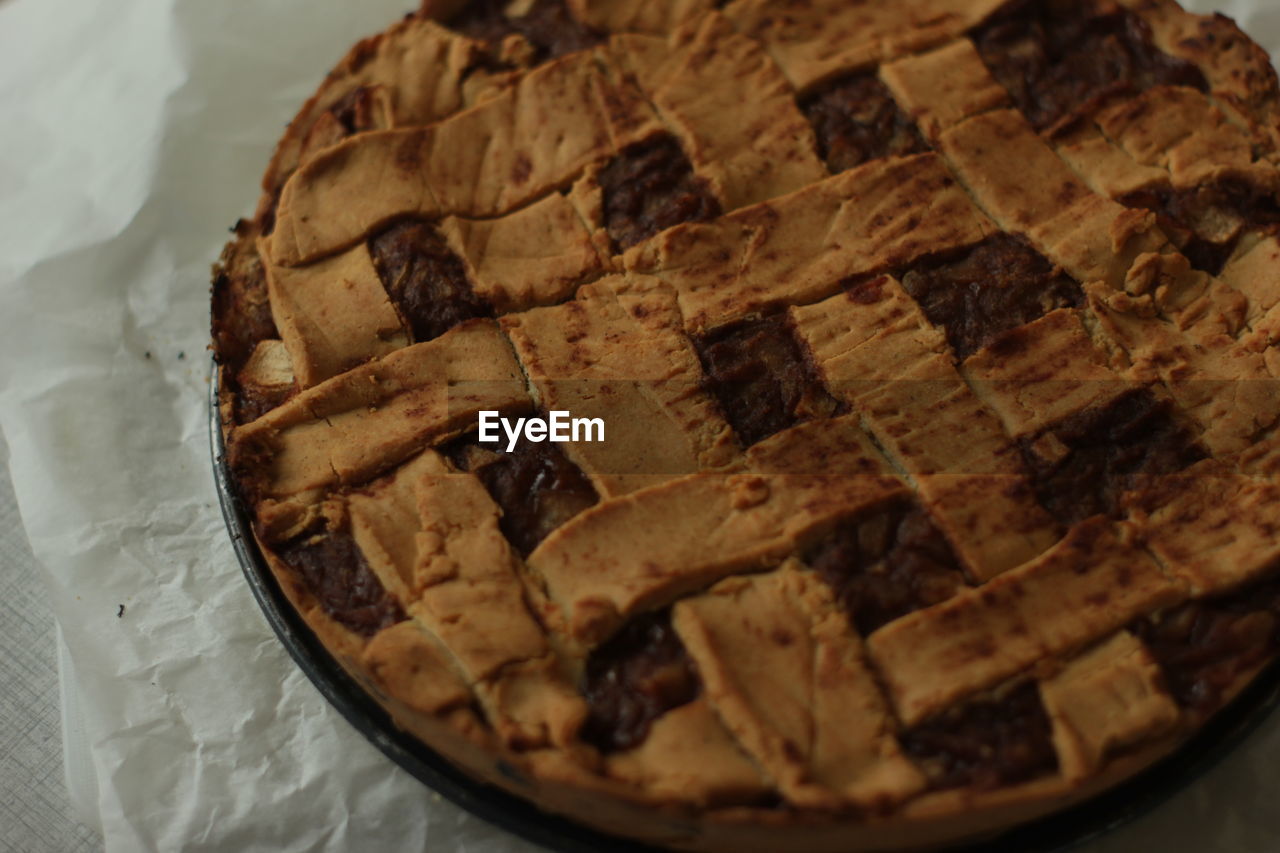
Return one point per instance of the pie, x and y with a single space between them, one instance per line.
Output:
935 345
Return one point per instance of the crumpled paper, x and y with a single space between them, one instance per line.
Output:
135 132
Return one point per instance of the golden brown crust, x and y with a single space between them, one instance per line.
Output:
605 565
803 702
412 74
763 547
693 80
796 249
1042 372
543 130
813 41
1089 584
881 355
537 255
1105 700
332 315
618 353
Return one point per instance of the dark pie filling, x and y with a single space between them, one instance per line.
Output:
1205 222
241 308
760 377
635 677
886 565
980 292
536 486
335 572
1203 646
241 319
425 279
1059 58
649 187
986 743
1110 450
855 120
548 26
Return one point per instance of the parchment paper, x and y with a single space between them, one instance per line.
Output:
133 133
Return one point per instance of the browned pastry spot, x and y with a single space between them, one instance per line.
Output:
987 742
1193 217
1103 452
1059 58
253 401
425 279
548 26
537 487
354 110
886 565
855 120
635 677
335 572
997 285
1205 645
649 187
761 379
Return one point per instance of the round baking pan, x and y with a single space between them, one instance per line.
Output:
1056 832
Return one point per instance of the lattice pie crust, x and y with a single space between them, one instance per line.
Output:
936 344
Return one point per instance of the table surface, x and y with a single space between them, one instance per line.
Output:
35 814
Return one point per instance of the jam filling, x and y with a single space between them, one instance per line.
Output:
886 565
425 279
536 486
1109 451
761 379
1193 218
649 187
635 677
856 120
997 285
986 743
1058 60
1203 646
548 26
335 572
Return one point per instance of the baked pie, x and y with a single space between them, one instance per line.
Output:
935 342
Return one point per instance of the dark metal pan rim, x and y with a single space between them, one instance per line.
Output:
1051 834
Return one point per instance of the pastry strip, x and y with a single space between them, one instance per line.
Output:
878 353
815 40
1104 700
333 314
1212 528
1042 372
624 358
645 549
798 248
1089 584
486 161
437 531
696 79
396 405
786 672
